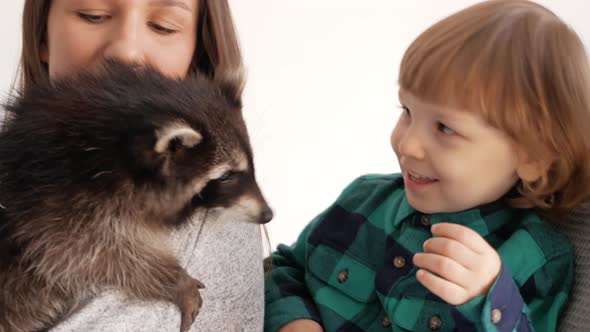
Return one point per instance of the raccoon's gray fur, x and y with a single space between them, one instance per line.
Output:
96 170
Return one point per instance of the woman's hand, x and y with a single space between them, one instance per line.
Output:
458 264
302 325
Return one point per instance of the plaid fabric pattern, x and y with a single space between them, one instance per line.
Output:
351 268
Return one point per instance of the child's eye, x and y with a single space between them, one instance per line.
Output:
445 130
405 110
93 18
162 30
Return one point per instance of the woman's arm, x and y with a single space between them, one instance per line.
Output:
221 251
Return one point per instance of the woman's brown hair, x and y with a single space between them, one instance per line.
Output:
527 73
217 52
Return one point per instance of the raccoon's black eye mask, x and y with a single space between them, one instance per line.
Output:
227 176
221 191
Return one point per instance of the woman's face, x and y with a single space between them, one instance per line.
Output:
82 33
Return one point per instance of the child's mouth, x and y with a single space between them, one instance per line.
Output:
414 179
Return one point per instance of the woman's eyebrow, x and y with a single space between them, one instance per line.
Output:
170 3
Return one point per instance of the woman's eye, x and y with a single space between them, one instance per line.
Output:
93 18
162 30
445 130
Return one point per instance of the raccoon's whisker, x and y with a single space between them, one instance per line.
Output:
101 173
91 149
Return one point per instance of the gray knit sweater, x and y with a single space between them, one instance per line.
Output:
222 252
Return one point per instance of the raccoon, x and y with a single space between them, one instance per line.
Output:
96 170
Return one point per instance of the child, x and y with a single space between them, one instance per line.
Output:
494 133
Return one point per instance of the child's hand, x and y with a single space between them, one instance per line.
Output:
302 325
458 265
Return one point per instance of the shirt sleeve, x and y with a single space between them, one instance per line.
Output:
534 306
287 297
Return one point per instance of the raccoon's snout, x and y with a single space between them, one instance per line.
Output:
235 189
266 215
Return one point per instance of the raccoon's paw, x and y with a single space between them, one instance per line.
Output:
189 301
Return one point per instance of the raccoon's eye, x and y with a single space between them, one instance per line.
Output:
226 176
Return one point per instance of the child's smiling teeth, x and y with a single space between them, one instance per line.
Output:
419 178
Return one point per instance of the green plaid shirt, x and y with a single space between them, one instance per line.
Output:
351 268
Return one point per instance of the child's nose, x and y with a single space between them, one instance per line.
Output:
410 145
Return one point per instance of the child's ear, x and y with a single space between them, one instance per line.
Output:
531 169
173 138
530 172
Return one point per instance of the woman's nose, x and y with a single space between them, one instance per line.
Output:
125 43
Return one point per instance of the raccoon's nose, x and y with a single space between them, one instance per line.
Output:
266 215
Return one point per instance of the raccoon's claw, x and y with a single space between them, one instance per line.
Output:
200 285
187 320
190 302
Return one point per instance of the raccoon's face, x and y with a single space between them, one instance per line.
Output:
212 166
191 140
131 139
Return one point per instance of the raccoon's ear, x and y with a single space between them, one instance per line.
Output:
231 84
172 137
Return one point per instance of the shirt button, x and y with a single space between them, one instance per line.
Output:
399 262
386 322
425 220
434 323
496 316
342 276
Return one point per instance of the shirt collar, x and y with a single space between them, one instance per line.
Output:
484 219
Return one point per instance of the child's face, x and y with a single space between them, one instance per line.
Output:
451 160
81 33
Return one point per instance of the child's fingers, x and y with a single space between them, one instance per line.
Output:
444 267
306 325
448 291
462 234
453 249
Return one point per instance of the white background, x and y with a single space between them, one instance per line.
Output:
321 97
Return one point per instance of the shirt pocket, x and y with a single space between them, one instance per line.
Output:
421 315
343 272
